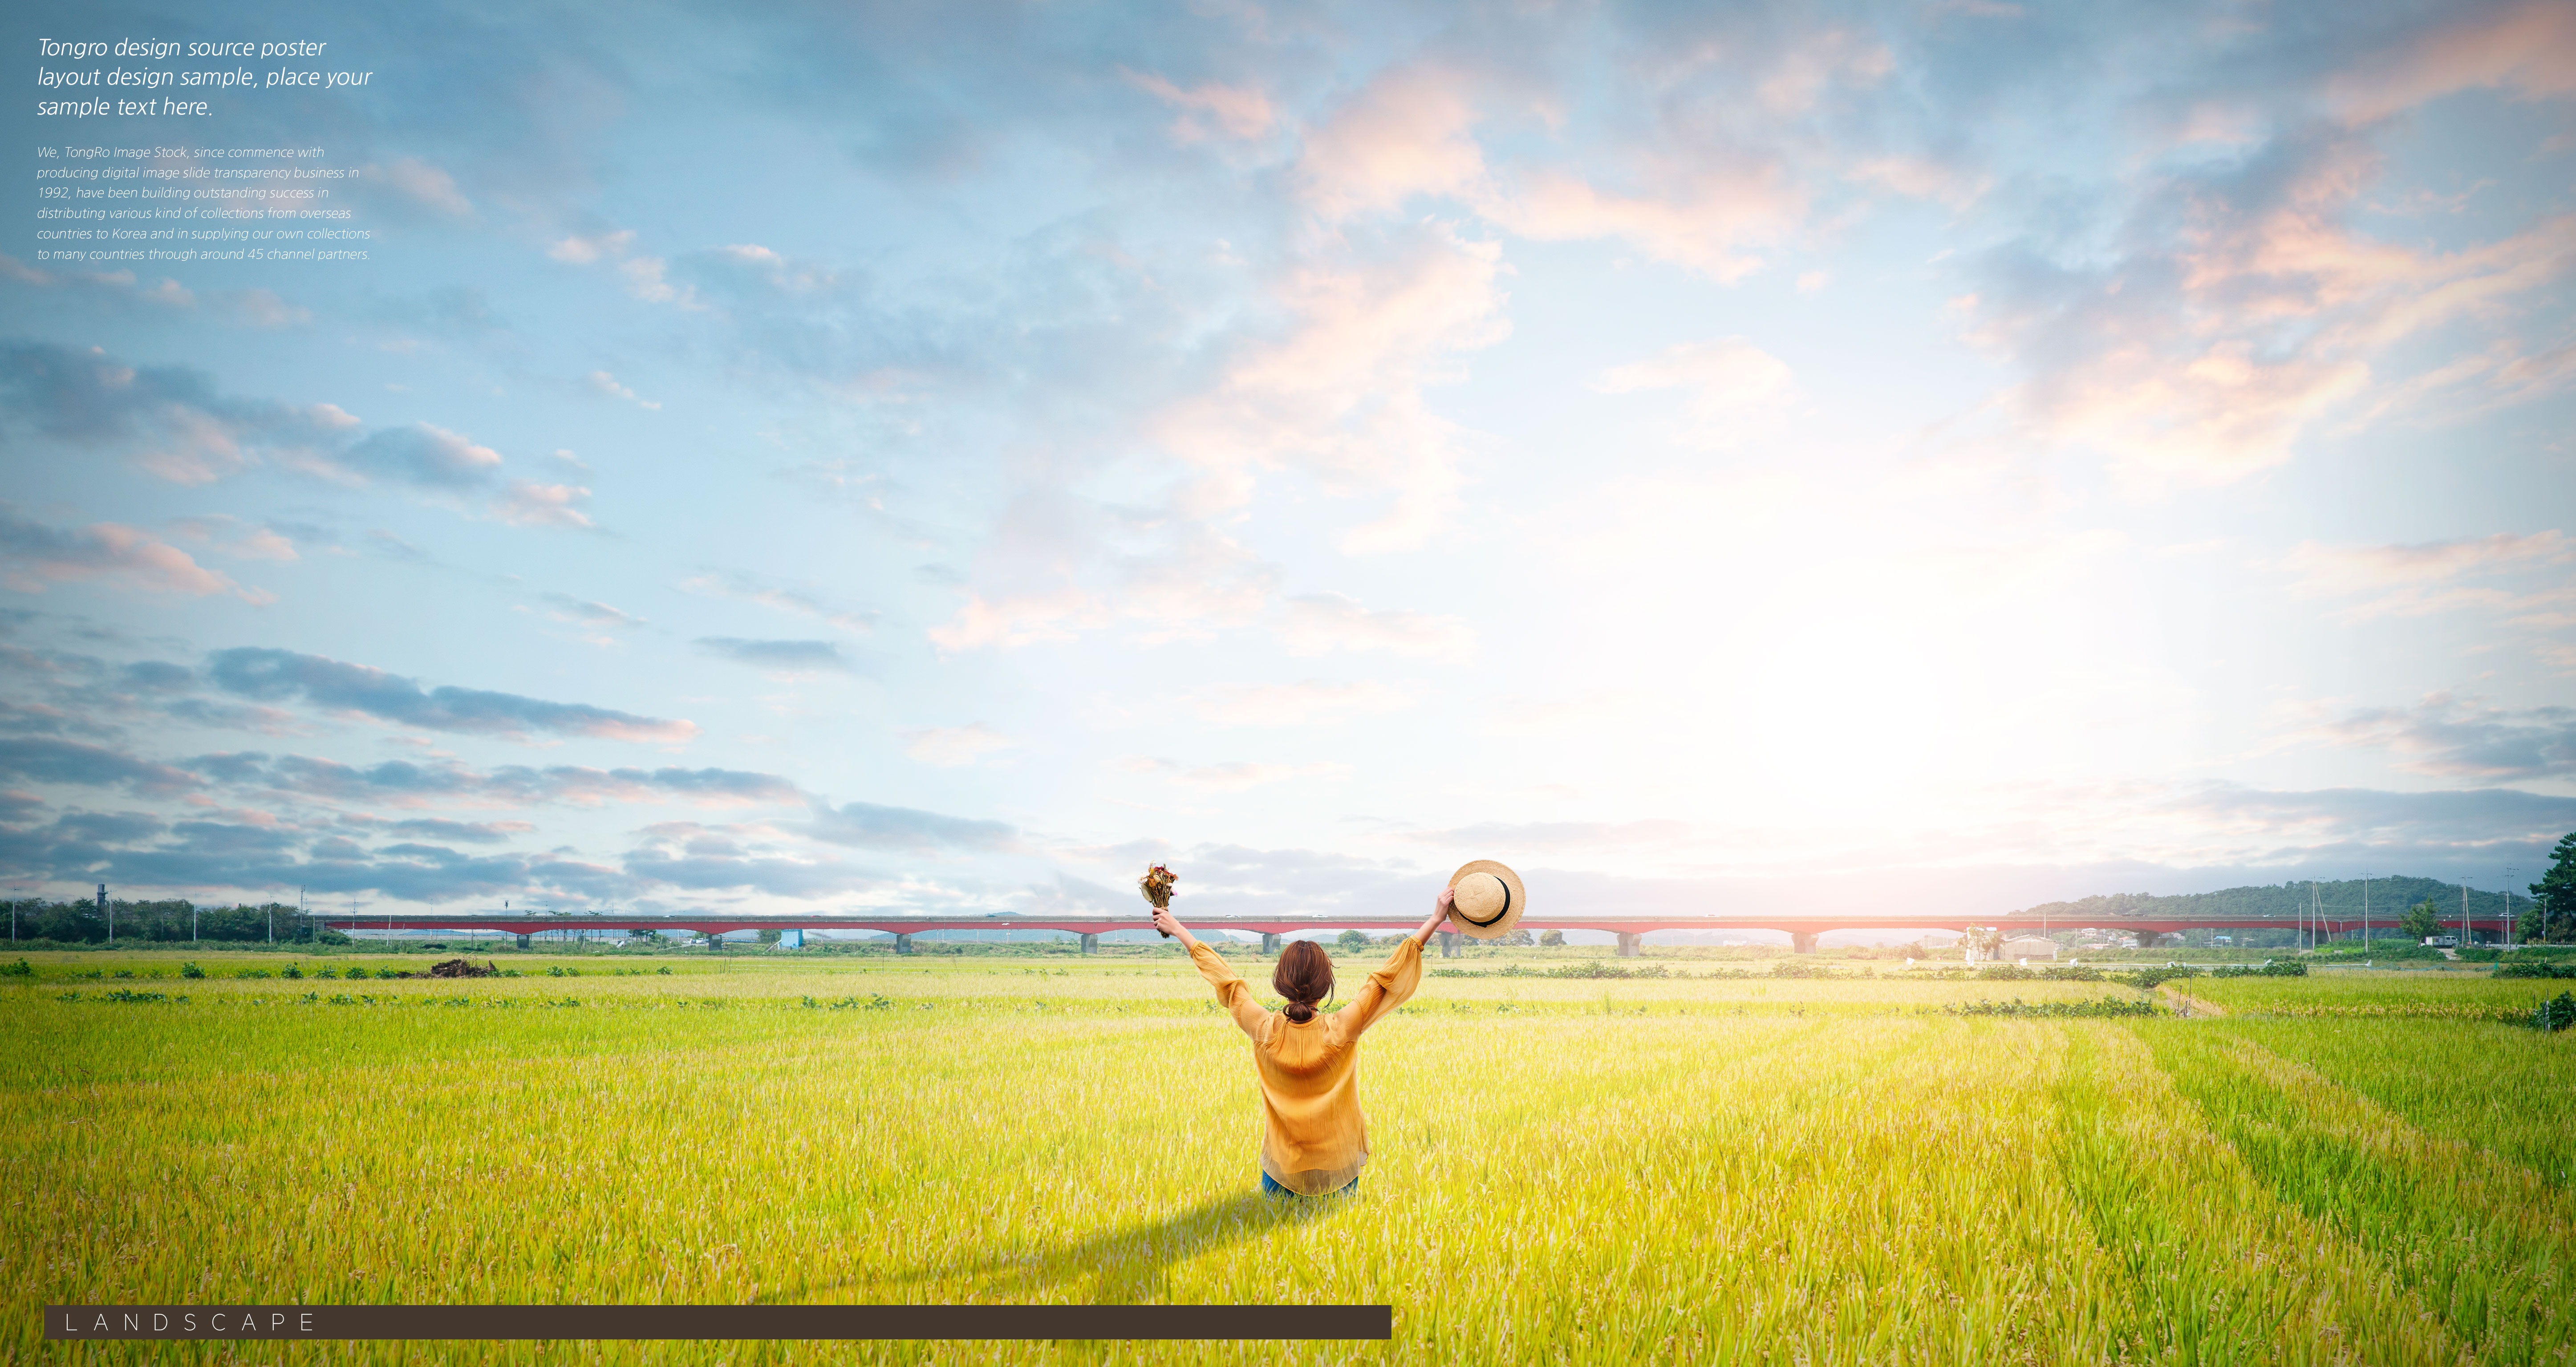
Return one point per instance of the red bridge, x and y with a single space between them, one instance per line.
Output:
1802 930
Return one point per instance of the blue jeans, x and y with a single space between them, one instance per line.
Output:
1270 1187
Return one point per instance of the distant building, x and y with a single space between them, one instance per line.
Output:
2028 947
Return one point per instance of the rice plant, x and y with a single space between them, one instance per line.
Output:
1860 1170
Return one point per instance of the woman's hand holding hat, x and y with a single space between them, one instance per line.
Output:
1440 909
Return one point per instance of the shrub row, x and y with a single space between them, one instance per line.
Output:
2100 1006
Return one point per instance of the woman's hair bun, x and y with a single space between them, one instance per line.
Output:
1304 976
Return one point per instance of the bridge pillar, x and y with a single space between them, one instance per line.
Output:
902 944
1628 943
1269 943
1090 944
1803 941
523 942
1448 944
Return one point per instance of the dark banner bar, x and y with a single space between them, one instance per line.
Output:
75 1322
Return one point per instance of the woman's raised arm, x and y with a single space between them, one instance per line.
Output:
1387 988
1439 912
1230 991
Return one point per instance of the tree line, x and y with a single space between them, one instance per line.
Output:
175 919
2543 913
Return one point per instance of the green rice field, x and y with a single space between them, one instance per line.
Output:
2355 1168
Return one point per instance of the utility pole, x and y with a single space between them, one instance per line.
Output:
108 910
2365 911
2508 907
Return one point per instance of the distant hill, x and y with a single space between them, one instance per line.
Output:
2389 899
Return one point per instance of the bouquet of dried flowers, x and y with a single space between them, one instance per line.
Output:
1157 887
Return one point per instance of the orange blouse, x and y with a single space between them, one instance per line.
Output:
1314 1140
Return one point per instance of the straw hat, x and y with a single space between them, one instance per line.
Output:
1487 900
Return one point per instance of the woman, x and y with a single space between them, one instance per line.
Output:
1314 1140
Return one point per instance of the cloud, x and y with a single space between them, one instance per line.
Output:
173 423
1922 178
223 535
1701 218
467 832
42 760
417 183
1319 623
404 783
203 856
1170 574
1299 704
2324 569
601 382
689 855
2463 738
1340 396
529 504
2407 581
35 555
44 719
1016 621
267 675
170 420
2529 49
156 677
1232 776
905 828
2246 311
954 746
1731 386
1410 132
117 827
118 289
1236 111
784 599
395 548
590 613
420 454
584 251
1239 880
267 721
778 657
1563 836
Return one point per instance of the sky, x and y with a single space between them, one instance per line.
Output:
1803 458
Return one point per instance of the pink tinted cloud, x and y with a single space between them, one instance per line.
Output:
1411 132
1236 111
1340 394
2529 50
2264 313
36 556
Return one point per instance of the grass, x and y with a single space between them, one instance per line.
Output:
1729 1170
2343 995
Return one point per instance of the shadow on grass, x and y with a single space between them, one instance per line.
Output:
1126 1266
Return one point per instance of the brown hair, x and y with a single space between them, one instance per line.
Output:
1304 976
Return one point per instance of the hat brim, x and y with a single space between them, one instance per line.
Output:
1517 901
